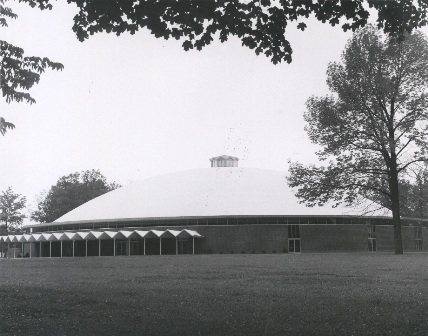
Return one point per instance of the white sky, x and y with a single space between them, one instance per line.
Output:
136 106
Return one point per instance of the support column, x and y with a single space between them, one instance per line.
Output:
176 246
61 248
30 249
86 250
73 248
14 250
114 247
99 247
129 246
193 238
8 248
2 249
144 246
40 249
50 249
160 246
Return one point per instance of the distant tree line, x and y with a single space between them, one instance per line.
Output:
68 193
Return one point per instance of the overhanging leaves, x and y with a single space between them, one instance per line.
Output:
18 72
260 25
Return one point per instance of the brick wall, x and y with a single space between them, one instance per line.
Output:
408 236
425 240
267 238
333 238
385 239
242 239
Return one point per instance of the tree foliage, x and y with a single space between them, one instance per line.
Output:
374 125
413 193
4 126
11 206
19 72
70 192
259 24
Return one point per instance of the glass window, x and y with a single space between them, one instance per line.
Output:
293 231
291 245
297 245
418 244
372 244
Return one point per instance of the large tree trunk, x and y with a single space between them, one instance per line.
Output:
395 207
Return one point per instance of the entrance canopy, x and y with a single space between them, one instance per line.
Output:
98 235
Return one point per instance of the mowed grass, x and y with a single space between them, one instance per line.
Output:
278 294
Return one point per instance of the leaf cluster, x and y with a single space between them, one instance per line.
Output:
4 126
260 25
18 72
337 183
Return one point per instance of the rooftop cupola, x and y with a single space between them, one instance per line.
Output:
224 161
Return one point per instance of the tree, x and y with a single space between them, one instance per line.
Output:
70 192
374 125
18 72
11 205
413 193
259 24
416 195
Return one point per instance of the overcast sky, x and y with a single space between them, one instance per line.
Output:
136 106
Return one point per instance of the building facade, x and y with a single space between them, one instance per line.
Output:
223 209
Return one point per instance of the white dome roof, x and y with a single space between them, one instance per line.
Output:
202 193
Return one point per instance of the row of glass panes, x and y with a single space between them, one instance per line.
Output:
206 221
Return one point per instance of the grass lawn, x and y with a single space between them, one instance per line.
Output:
277 294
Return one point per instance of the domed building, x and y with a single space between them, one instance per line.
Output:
222 209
